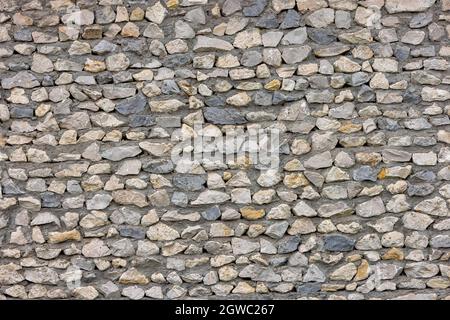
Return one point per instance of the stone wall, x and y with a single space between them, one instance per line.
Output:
96 94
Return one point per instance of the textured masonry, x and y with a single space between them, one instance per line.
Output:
96 93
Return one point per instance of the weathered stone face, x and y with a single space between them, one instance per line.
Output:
100 101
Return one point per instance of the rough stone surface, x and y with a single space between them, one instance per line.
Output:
106 193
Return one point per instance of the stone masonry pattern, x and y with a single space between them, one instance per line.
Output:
95 95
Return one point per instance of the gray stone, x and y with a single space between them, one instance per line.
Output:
120 153
132 105
189 182
223 116
22 79
255 9
338 243
365 173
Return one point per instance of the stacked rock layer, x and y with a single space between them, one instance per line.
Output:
95 95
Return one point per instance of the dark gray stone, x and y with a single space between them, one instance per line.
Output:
388 124
251 58
83 263
402 52
424 175
47 81
138 46
18 66
365 94
122 76
411 96
22 34
169 121
23 79
104 47
281 97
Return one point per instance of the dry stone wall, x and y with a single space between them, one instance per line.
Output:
96 94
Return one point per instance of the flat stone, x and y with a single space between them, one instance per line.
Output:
132 105
296 36
162 232
338 243
223 116
120 153
321 160
371 208
22 79
211 197
395 6
295 55
209 44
